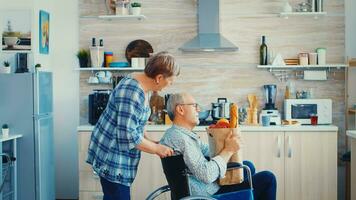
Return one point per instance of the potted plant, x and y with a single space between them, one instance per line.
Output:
135 8
6 68
5 130
83 56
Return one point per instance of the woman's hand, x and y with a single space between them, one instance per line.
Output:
163 151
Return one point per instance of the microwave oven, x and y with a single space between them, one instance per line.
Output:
301 109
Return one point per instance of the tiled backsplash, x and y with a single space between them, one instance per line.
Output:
226 74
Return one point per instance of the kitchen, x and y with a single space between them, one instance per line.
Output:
207 75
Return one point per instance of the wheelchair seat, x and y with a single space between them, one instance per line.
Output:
177 176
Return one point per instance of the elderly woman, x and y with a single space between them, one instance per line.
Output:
118 137
183 110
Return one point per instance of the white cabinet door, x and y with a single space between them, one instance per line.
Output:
310 165
266 152
150 174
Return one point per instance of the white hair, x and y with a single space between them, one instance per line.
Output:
173 101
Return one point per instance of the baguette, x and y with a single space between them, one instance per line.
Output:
233 116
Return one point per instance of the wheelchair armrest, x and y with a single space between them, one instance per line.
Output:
235 165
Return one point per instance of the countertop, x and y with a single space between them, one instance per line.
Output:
10 137
351 133
300 128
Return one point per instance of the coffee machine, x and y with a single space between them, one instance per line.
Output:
97 104
270 110
21 62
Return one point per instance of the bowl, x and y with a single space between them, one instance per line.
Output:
203 115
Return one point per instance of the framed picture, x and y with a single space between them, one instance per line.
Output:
16 30
44 32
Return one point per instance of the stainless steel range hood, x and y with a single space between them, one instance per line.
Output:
209 37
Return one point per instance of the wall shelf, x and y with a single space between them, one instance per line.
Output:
109 69
283 72
115 17
292 14
302 67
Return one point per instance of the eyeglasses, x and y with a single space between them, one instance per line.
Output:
191 104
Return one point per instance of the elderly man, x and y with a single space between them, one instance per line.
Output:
183 110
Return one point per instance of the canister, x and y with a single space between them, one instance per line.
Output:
321 56
108 55
303 59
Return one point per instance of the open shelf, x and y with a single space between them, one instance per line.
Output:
290 14
115 17
301 67
109 69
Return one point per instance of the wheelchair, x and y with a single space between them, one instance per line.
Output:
177 177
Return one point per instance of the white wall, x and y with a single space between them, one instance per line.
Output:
350 45
61 60
64 22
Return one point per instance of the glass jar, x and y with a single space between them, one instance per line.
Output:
122 7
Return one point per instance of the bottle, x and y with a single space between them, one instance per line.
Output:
93 42
154 115
101 42
263 52
287 93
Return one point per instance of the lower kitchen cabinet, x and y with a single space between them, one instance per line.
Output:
266 151
305 165
150 174
310 165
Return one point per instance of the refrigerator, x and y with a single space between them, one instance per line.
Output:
26 105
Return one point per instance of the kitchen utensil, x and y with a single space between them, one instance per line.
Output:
119 64
203 115
138 48
221 109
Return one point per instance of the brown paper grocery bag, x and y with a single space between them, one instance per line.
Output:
216 144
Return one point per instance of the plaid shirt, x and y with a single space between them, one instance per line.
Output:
120 128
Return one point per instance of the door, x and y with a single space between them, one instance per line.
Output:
265 151
310 165
44 153
43 93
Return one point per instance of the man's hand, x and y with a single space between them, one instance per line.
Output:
163 151
232 143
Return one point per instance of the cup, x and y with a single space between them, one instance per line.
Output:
265 120
313 58
11 41
5 132
314 119
93 79
134 62
321 56
100 74
108 74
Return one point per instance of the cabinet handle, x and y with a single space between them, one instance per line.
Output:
289 147
279 146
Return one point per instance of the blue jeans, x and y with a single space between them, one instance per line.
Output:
114 191
264 184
